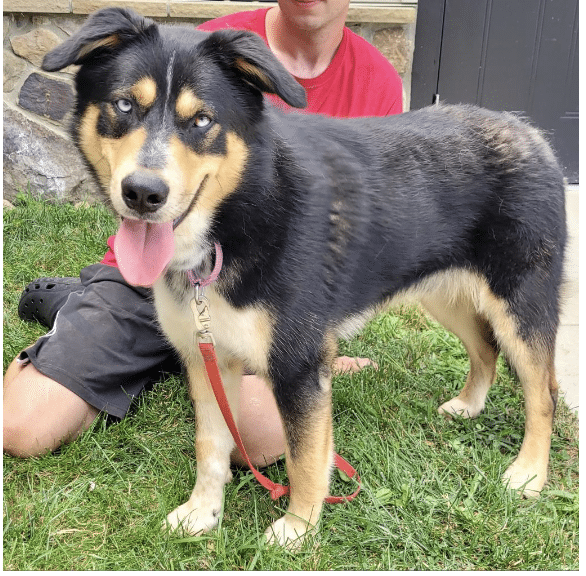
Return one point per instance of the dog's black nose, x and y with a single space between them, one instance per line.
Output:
144 192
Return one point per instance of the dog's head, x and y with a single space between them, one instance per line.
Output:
164 117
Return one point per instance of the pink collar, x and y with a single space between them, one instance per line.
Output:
203 282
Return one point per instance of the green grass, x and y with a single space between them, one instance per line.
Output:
432 496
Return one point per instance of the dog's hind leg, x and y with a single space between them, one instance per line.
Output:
213 444
309 455
527 339
461 318
529 471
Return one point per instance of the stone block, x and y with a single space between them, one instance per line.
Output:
48 6
43 160
395 47
15 25
46 97
143 7
70 24
35 44
13 69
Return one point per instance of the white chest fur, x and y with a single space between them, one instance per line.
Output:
242 333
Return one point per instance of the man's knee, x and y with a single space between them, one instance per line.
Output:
24 440
16 431
20 440
40 414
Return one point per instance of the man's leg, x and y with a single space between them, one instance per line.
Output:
60 416
39 413
103 349
266 443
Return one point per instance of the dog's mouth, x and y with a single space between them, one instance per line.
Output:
178 221
144 249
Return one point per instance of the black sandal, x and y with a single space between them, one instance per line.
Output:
41 300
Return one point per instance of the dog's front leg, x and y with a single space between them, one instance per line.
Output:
307 416
213 445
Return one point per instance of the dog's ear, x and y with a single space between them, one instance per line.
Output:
102 32
246 53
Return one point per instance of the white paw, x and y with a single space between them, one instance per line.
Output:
458 407
527 479
289 532
192 519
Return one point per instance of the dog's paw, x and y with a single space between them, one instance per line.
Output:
191 520
289 532
524 479
457 407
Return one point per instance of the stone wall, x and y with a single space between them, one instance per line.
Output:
38 154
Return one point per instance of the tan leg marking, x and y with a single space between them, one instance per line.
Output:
531 359
461 319
533 363
309 475
213 446
529 471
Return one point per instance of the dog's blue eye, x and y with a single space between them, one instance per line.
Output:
124 105
202 121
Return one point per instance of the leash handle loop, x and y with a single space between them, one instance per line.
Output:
276 490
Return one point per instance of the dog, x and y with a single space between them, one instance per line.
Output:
322 223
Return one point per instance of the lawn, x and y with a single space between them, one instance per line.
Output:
432 496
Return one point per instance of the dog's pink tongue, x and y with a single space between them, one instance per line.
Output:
143 250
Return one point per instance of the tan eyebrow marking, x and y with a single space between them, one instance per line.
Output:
145 91
188 104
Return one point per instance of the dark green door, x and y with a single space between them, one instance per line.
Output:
516 55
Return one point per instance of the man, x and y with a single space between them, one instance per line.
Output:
105 346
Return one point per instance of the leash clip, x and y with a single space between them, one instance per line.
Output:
201 316
199 303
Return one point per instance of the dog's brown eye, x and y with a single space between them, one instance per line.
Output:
202 121
124 105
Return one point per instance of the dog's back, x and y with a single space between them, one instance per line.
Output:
384 203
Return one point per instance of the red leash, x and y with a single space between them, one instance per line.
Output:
206 346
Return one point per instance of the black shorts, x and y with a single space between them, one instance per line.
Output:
105 344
